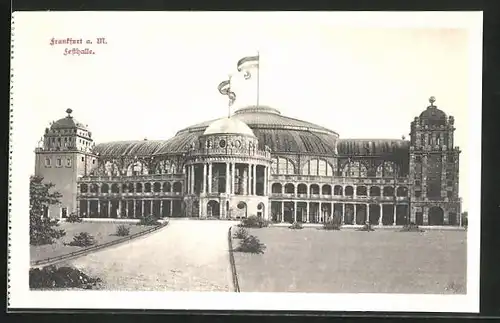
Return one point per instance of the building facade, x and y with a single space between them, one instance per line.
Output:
258 162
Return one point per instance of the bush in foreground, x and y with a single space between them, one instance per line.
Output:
296 226
366 227
254 221
122 230
412 227
83 239
334 223
251 244
241 233
148 220
74 218
62 277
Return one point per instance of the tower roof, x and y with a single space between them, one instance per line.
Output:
68 122
432 115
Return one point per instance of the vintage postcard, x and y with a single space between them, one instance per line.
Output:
298 161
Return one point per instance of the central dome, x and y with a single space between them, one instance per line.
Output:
228 126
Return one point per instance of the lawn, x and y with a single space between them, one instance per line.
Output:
349 261
103 232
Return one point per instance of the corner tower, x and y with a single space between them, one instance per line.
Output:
63 155
434 168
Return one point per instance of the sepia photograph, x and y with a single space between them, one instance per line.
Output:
246 161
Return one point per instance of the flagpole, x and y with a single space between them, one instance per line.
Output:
258 77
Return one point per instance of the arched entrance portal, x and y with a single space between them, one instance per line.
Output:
436 216
213 209
260 210
242 210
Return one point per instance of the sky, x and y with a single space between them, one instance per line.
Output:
366 76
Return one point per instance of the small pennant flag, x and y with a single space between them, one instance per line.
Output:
248 62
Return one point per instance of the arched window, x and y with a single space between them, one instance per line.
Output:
326 190
354 169
317 167
84 188
115 188
277 188
314 189
302 189
289 188
402 191
177 187
157 187
131 188
337 190
361 190
281 165
388 191
167 187
137 168
138 188
349 191
147 188
104 188
374 191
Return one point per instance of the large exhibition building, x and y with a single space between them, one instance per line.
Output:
257 161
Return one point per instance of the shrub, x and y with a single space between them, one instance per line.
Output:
334 223
254 221
73 218
43 231
122 230
412 227
62 277
83 239
366 227
251 244
241 233
296 226
148 220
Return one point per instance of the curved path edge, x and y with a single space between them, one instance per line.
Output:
232 263
99 247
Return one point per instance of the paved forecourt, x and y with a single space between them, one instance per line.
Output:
186 255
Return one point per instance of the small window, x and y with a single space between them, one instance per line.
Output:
64 212
418 159
47 162
83 158
68 162
59 139
418 193
450 183
59 162
417 183
450 194
93 161
65 139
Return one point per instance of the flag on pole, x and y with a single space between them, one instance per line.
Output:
247 63
225 89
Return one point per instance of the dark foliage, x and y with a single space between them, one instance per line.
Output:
148 220
412 227
254 222
43 230
83 239
122 230
74 218
62 277
251 244
366 227
296 226
241 233
334 223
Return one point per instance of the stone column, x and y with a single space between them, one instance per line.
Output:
209 178
87 209
254 182
142 207
332 205
395 214
381 214
126 208
171 207
368 213
308 219
204 183
187 179
343 213
161 209
355 214
249 179
98 208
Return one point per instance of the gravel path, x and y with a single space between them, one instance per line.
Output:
187 255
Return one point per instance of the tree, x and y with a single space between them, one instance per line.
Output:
43 230
465 218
